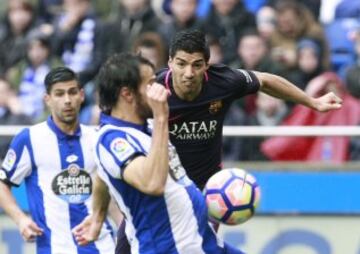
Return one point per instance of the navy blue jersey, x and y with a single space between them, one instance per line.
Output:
196 126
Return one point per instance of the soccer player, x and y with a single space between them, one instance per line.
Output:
200 96
55 158
164 211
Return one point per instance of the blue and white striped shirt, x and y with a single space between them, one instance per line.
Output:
175 222
57 169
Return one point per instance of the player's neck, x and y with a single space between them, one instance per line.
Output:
127 115
186 95
67 128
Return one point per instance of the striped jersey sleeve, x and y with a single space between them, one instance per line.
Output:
18 161
115 150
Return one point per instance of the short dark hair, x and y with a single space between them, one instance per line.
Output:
59 74
120 70
190 41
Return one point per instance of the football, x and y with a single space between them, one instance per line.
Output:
232 196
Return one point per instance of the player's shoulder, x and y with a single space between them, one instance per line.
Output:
221 69
224 74
108 133
41 127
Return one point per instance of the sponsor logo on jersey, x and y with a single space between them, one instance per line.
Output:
215 106
9 160
73 184
121 148
195 130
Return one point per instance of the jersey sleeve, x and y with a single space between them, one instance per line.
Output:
247 81
17 163
115 151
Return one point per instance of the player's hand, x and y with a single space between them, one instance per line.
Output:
327 102
87 231
29 230
157 98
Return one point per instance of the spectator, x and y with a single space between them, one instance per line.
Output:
183 17
29 75
353 85
77 39
134 18
313 6
10 113
19 19
151 47
227 20
308 63
266 21
327 149
216 54
294 22
47 10
252 54
270 111
352 75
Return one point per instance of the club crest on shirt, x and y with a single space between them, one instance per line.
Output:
9 160
72 184
121 148
215 106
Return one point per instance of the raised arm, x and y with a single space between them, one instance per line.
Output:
27 227
148 174
281 88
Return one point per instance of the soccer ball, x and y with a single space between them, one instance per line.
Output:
232 196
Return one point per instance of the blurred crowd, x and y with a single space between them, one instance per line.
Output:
313 43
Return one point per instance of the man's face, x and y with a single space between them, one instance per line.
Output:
64 101
251 50
37 53
188 70
183 10
224 7
147 78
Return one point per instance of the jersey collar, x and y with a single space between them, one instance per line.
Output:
107 119
59 132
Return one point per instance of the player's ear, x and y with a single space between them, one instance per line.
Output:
126 94
170 61
207 65
82 95
47 99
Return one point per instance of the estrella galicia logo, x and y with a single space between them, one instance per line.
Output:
72 185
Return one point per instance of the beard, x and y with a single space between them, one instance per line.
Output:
142 108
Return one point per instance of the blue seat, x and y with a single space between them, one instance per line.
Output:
342 52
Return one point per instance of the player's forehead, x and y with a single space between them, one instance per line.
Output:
189 57
65 86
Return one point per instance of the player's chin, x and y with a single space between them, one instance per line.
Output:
69 118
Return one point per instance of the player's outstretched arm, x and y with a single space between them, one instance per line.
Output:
29 230
281 88
89 229
148 174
